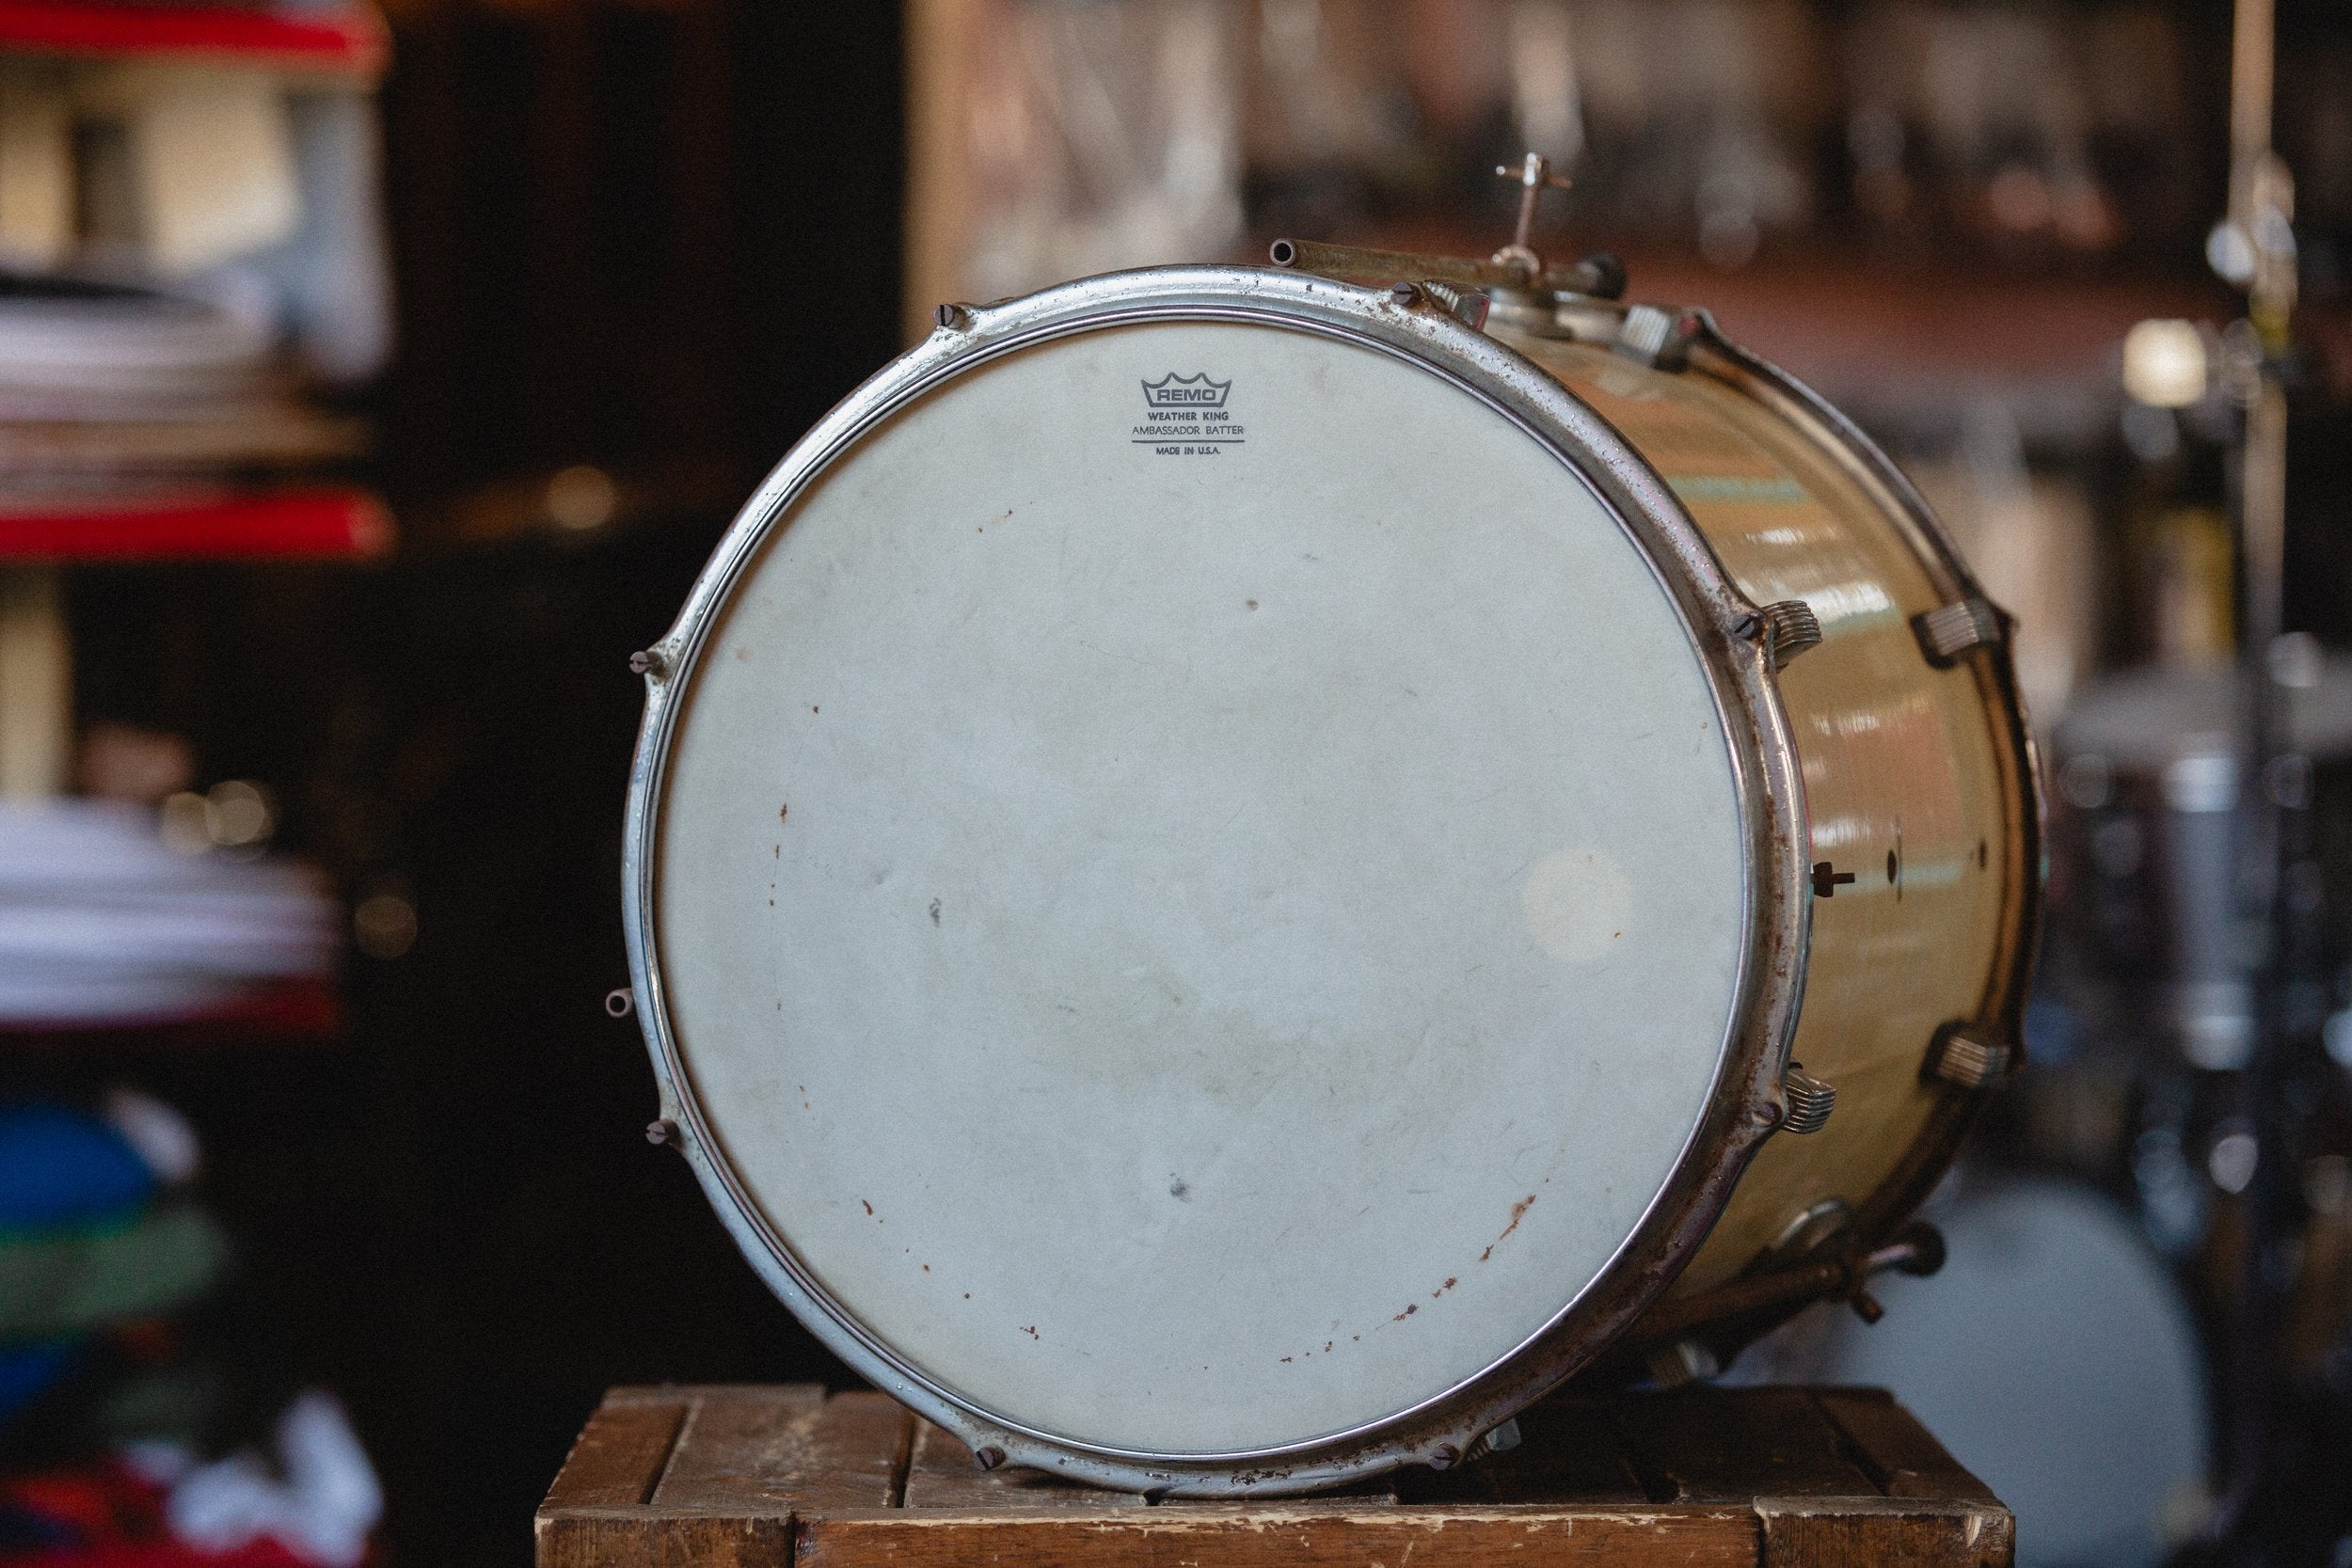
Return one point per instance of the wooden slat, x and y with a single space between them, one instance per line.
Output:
1297 1537
609 1539
1569 1451
619 1456
1890 1533
1700 1446
1898 1452
788 1449
941 1474
779 1477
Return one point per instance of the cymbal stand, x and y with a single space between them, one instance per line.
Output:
2254 247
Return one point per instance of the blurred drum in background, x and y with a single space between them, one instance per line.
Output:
2053 1355
1230 876
2148 850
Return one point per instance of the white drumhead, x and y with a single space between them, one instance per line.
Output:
1198 950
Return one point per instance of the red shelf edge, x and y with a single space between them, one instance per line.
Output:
351 39
288 1013
309 523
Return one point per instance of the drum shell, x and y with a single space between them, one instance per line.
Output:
1876 1161
1918 778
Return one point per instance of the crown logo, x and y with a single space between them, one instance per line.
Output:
1187 392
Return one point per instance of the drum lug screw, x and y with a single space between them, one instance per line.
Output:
1406 295
1959 1055
1467 306
1660 339
988 1456
1444 1457
1810 1100
1946 633
1787 627
953 318
662 1131
650 663
1499 1439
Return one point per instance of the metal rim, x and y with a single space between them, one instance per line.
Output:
1744 1104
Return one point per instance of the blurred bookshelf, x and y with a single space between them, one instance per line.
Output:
194 297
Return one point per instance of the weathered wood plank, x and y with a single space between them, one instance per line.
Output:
1296 1537
941 1474
788 1449
647 1539
1901 1454
1892 1533
768 1478
619 1454
1731 1445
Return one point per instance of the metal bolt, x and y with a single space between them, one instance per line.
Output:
1533 177
1660 338
1950 630
620 1002
1810 1100
1501 1439
1683 1363
1467 306
1765 1114
1827 879
1789 627
988 1457
1962 1056
648 661
1403 294
662 1131
952 318
1444 1457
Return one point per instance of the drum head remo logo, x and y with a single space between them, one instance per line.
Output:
1186 391
1186 416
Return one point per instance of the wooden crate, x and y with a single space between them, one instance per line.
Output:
734 1476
